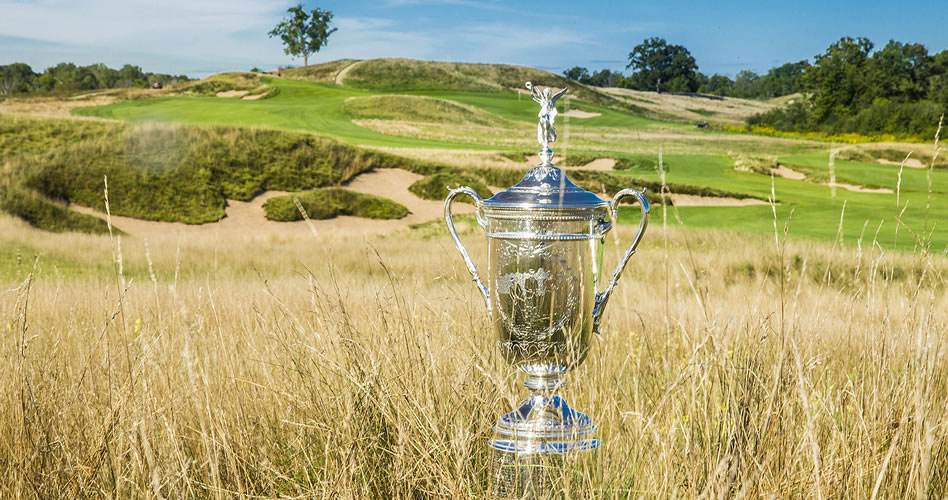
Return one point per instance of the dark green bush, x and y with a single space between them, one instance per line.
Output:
326 203
638 163
47 215
435 187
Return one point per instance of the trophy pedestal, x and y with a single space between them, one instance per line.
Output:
535 444
544 424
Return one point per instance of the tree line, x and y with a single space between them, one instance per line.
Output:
663 67
899 89
19 78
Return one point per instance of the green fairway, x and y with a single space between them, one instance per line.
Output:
318 108
816 212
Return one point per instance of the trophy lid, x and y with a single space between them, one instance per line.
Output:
545 186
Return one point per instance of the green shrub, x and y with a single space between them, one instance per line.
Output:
47 215
435 187
902 119
639 163
579 159
326 203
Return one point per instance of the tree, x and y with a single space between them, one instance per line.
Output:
15 78
304 34
660 66
604 78
785 79
938 83
746 84
900 71
718 84
576 73
838 79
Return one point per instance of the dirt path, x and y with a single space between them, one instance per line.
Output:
345 71
247 220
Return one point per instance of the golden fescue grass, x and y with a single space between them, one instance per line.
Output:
52 107
732 365
730 110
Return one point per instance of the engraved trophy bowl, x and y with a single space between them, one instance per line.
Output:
545 292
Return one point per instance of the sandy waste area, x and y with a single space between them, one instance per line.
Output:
247 220
911 162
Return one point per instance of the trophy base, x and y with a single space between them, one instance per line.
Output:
544 425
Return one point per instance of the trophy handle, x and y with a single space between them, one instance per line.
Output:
449 219
603 297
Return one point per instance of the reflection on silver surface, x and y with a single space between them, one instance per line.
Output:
545 293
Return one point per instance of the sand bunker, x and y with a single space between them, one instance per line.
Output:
252 97
911 162
605 164
393 183
858 189
782 171
247 221
578 113
598 164
232 93
692 200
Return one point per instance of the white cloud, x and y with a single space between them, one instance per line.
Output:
208 31
371 37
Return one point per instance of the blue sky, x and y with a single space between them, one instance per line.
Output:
200 37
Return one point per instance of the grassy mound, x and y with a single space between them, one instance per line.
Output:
418 109
435 187
326 203
325 72
172 173
755 164
896 155
515 156
43 214
622 163
228 82
408 74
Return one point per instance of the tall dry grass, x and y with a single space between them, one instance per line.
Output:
733 366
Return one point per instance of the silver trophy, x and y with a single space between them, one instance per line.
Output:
545 292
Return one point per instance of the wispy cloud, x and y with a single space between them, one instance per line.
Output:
169 29
371 37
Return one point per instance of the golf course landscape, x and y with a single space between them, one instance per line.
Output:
243 286
441 116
